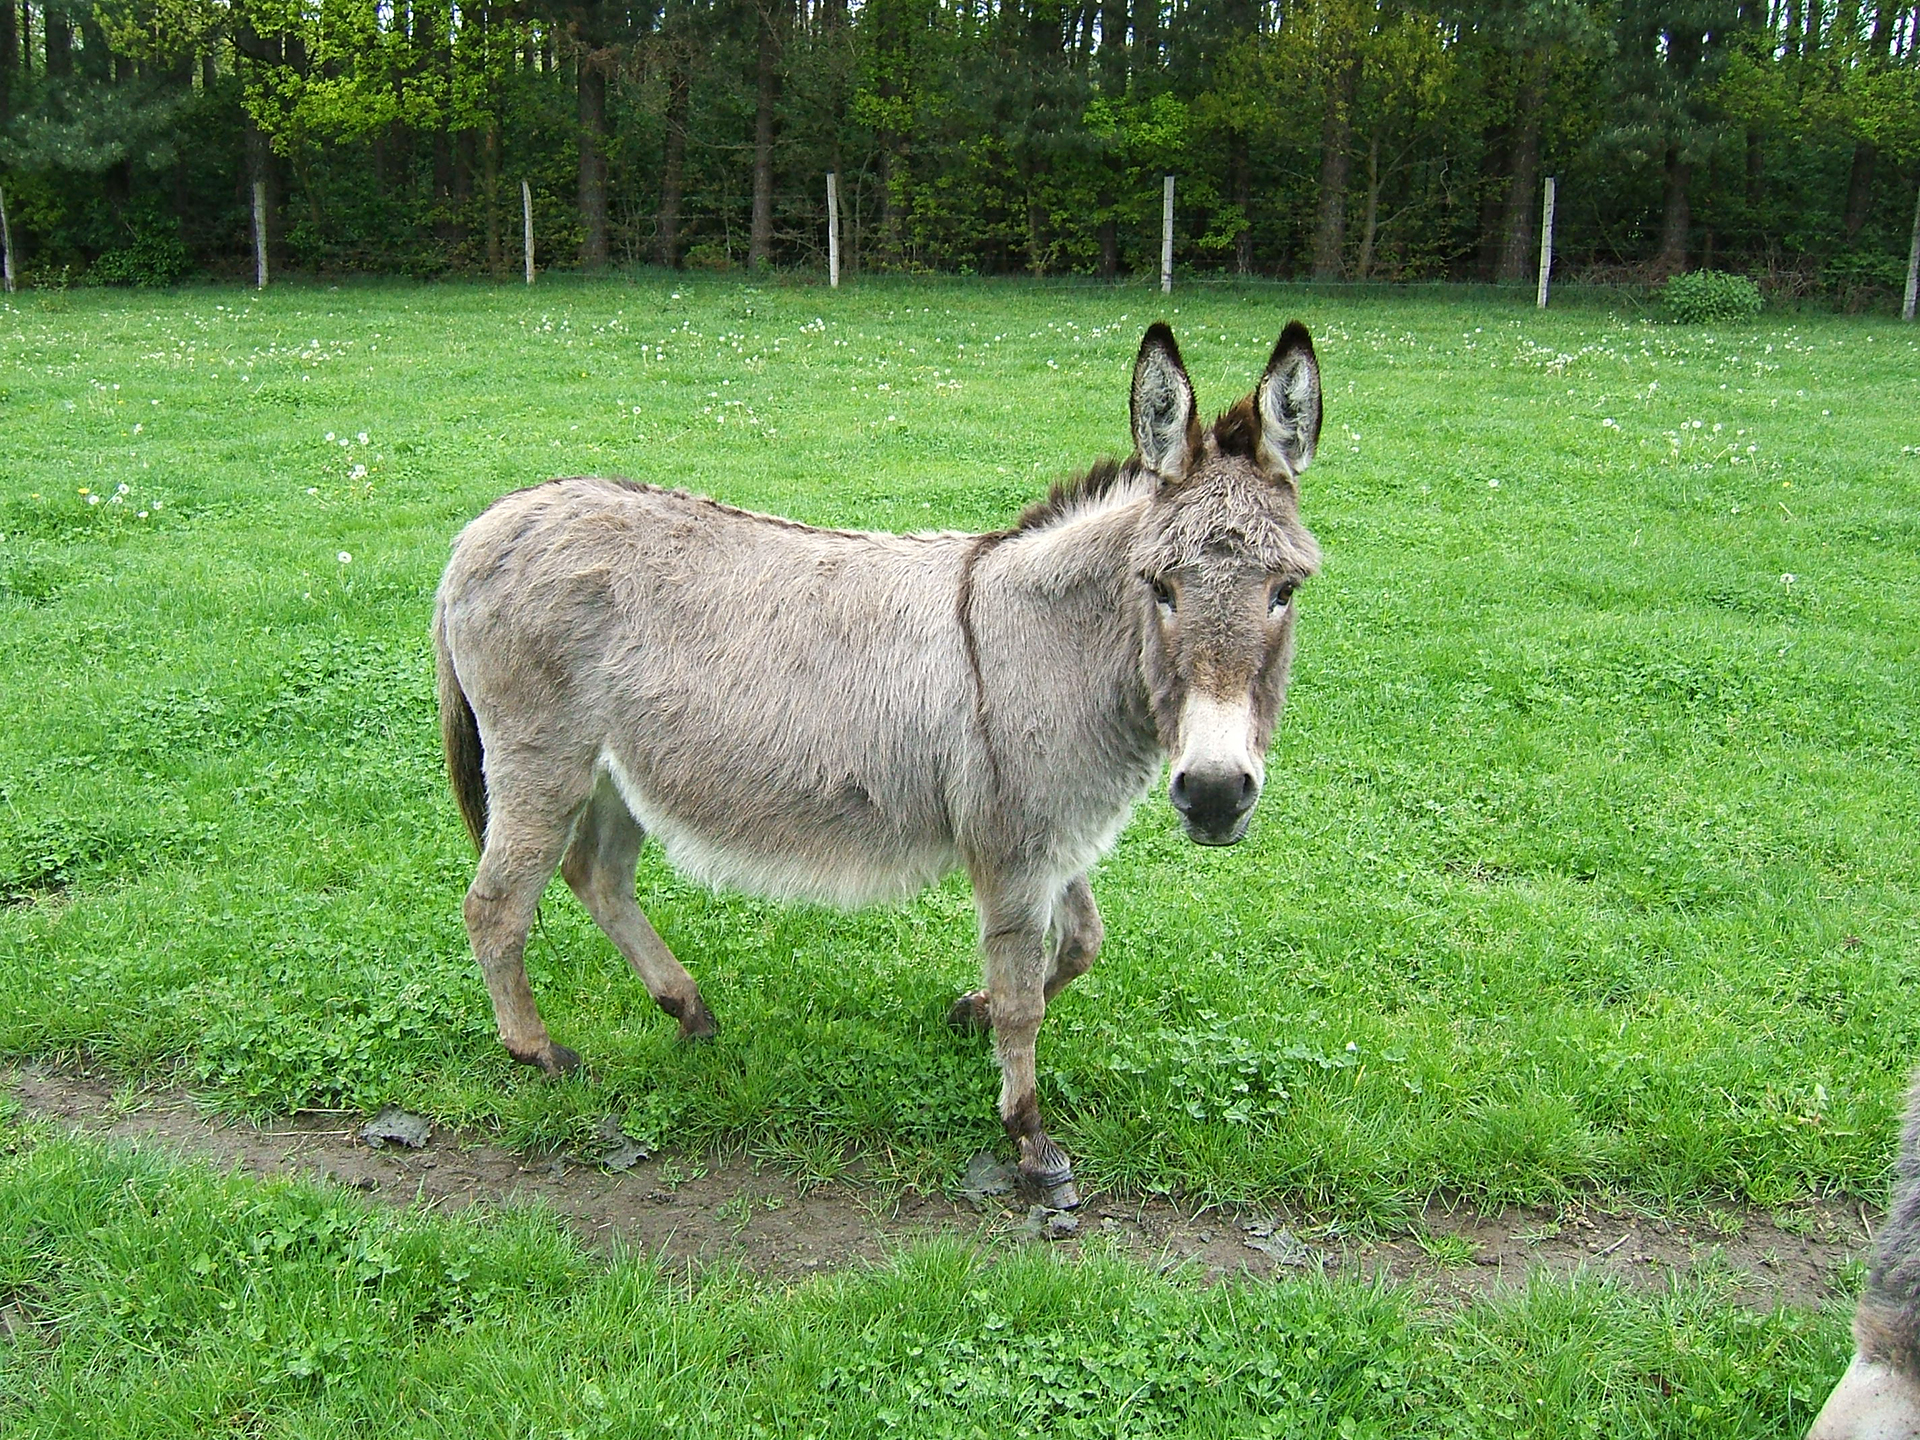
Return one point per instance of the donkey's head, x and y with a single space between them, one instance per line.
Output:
1220 552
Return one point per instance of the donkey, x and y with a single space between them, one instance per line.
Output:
847 716
1878 1398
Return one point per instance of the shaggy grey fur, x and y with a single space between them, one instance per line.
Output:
1878 1398
848 716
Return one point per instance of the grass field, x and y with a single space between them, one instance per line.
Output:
1586 861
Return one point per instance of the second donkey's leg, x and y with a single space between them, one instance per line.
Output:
1077 933
599 867
1013 935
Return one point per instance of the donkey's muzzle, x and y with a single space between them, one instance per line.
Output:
1216 805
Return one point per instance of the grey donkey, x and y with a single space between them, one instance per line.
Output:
1878 1398
846 716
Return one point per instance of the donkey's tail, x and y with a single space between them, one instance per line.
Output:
460 737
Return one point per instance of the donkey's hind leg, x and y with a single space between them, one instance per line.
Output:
1076 935
531 812
599 866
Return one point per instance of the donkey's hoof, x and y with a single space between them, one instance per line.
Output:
969 1014
553 1059
698 1024
1053 1188
696 1021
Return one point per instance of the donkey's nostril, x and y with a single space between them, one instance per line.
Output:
1214 801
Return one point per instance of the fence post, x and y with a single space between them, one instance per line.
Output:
1546 244
259 234
526 224
1913 264
833 230
6 251
1166 239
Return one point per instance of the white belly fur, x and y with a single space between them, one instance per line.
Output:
837 876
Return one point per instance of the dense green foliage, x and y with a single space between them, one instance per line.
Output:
1586 855
150 1300
1710 297
1394 140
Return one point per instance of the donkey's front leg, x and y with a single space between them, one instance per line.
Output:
1013 935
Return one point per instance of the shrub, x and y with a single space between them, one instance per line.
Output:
1710 296
149 260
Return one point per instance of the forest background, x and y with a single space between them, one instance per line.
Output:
1331 139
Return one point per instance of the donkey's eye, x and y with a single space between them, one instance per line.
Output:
1282 593
1163 593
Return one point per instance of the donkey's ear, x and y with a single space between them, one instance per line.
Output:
1165 432
1289 402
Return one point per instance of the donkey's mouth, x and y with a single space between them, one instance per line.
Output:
1232 834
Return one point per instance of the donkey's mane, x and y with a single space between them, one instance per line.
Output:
1237 430
1068 496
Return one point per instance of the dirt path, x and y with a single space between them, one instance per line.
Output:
731 1211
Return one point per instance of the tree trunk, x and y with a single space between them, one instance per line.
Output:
1860 187
765 89
1370 226
679 87
9 58
1676 216
1241 183
593 162
884 137
490 193
59 36
1517 260
443 228
1144 58
96 62
1113 48
260 169
1336 131
1495 166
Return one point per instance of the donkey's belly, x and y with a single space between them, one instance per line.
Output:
844 858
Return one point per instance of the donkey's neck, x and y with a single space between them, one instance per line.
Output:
1084 553
1058 617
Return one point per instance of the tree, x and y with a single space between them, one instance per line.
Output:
1669 53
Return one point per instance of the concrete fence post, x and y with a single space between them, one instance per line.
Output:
1546 245
1166 239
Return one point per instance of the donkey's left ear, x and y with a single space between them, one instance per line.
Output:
1166 434
1288 401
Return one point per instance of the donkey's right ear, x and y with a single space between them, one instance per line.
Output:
1288 402
1166 433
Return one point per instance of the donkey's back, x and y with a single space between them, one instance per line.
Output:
782 707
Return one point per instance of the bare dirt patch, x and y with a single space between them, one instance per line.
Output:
688 1211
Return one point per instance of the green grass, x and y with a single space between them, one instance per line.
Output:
165 1300
1586 857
